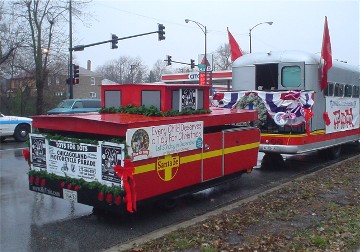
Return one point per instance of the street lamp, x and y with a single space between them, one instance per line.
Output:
203 29
269 23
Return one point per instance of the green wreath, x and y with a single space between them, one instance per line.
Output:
257 103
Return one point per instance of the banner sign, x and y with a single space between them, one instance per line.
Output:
343 113
156 141
76 160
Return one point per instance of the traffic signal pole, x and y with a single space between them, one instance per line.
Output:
71 96
73 69
169 61
82 47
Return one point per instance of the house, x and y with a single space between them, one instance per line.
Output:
89 83
88 87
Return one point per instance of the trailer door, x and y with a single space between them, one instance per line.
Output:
212 156
291 75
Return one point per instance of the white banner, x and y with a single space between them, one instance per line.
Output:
163 140
343 113
76 160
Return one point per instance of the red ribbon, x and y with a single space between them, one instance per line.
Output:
26 154
307 115
126 174
326 118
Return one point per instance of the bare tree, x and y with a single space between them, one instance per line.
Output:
222 57
124 70
44 39
158 69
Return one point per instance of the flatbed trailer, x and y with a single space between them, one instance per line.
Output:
114 161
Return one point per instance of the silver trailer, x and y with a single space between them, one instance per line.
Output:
296 70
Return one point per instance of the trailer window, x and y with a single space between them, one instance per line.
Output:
266 76
348 90
291 76
339 90
150 98
175 100
112 99
329 90
356 92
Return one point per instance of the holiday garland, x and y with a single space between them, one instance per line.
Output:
79 183
257 103
151 111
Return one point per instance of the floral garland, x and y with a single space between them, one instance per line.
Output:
258 105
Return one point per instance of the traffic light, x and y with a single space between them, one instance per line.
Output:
114 41
161 32
75 74
168 60
192 64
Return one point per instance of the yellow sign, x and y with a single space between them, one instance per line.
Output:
167 167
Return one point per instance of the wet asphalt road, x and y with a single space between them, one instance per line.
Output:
36 222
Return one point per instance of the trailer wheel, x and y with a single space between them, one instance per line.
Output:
168 204
331 153
272 161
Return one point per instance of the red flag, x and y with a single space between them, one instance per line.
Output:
234 48
325 55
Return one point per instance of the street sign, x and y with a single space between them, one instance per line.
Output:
201 66
205 63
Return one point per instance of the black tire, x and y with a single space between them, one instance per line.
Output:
21 132
331 153
168 203
272 161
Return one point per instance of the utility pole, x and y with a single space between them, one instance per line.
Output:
70 73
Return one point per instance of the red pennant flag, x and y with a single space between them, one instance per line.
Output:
234 47
325 55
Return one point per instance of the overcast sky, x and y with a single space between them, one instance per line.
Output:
298 25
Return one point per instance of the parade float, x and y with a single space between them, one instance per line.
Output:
149 142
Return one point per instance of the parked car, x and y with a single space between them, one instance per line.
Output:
72 106
15 126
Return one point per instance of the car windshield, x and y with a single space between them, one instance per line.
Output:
65 104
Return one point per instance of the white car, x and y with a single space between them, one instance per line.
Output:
15 126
